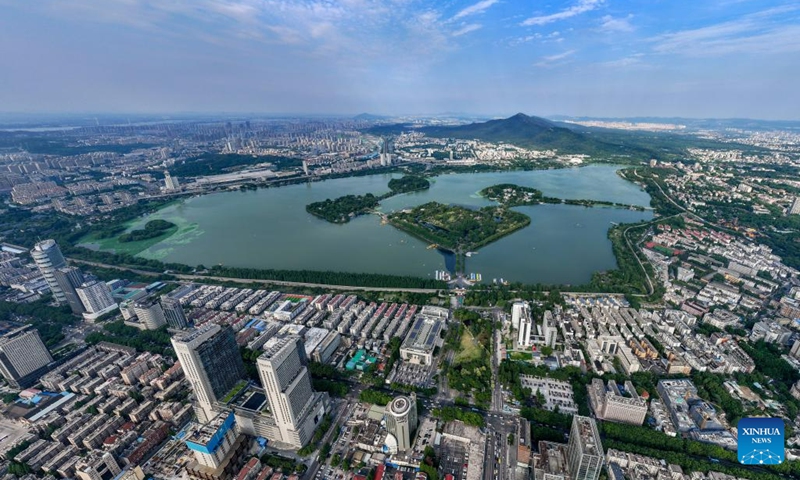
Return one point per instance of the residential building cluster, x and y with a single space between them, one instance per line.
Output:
105 408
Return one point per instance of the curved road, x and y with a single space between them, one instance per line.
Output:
181 276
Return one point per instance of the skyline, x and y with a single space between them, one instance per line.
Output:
490 57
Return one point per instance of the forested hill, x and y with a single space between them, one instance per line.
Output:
524 131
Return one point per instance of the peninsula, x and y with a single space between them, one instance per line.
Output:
510 195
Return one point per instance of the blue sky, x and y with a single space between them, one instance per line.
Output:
707 58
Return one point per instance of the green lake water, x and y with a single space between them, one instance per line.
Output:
269 228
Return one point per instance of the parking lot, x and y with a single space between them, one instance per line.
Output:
411 374
453 459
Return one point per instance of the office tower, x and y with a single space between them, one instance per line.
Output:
386 153
795 208
68 279
170 182
96 299
296 407
305 168
23 356
524 336
584 450
401 420
549 329
48 258
149 313
211 361
173 312
519 310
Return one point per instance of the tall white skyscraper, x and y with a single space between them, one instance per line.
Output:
96 298
294 404
549 329
584 451
211 361
524 335
23 356
70 278
401 420
48 258
519 310
170 182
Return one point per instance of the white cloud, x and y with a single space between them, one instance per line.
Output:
467 28
635 59
583 6
479 7
348 33
550 60
613 25
762 32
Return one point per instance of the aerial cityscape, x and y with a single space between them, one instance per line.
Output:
399 240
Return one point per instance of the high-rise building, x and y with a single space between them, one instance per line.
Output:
211 361
96 298
294 404
23 356
584 450
48 258
401 420
219 448
149 313
549 329
170 182
795 208
518 311
611 405
386 153
524 335
68 279
173 312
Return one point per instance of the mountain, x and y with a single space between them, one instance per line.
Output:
524 131
540 134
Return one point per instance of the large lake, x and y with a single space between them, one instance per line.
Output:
270 228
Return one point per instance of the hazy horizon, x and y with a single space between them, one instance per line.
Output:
721 59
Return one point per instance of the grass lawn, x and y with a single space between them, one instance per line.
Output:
520 356
469 349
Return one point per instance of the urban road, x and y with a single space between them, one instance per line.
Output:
191 278
181 276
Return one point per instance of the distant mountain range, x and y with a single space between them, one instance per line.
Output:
521 130
541 134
